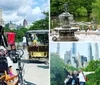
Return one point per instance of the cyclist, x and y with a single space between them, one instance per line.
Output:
3 52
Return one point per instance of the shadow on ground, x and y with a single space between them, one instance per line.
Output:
34 61
28 83
44 67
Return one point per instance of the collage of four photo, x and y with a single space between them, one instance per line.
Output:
50 42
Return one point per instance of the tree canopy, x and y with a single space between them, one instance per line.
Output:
56 70
93 79
76 7
19 33
96 11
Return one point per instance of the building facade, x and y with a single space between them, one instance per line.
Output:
58 48
96 52
25 24
73 56
12 26
67 57
1 19
90 52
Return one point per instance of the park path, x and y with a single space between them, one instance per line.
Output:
36 73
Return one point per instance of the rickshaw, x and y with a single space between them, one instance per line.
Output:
41 49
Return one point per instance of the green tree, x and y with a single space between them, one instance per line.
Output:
93 79
19 33
56 70
57 7
88 5
74 5
96 11
93 65
81 11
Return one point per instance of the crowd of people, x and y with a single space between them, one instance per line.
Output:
76 77
88 28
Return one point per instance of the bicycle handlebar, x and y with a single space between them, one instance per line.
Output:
21 53
15 55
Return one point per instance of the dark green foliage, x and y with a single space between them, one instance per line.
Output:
19 33
81 11
70 68
96 11
57 7
94 79
93 65
56 70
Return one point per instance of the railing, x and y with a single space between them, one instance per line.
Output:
88 32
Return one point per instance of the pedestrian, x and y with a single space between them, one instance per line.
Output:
3 53
70 77
75 77
67 73
3 41
82 76
24 42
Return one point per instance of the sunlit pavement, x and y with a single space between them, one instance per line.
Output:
84 37
36 73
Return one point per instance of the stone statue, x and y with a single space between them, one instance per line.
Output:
66 31
66 7
65 18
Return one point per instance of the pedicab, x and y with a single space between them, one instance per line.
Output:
38 48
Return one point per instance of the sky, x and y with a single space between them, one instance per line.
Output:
81 48
18 10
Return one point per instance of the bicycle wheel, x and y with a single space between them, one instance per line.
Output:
3 83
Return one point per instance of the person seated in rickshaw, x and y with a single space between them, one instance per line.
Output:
3 53
35 40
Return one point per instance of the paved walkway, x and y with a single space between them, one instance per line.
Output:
36 73
84 37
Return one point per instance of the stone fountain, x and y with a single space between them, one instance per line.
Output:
65 31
